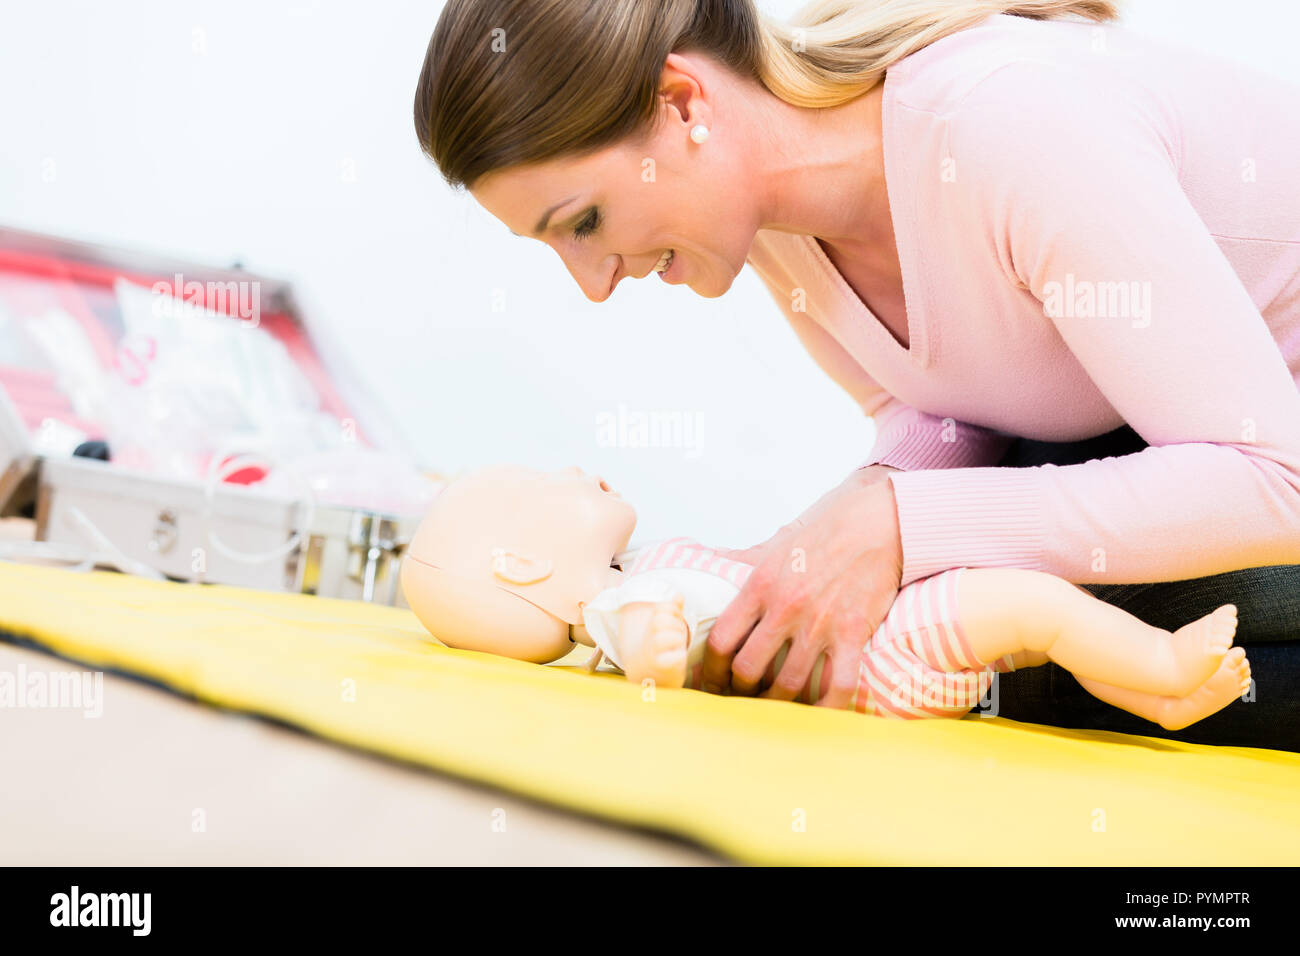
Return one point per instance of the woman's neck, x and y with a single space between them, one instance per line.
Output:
820 172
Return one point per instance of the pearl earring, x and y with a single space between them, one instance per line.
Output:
699 133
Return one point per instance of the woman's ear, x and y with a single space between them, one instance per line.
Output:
519 568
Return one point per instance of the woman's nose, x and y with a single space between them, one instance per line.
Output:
593 276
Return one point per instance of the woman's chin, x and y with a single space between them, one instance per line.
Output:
709 288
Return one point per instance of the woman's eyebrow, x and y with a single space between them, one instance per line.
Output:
546 217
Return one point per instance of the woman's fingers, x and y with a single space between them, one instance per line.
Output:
752 555
825 581
752 660
795 672
729 632
845 664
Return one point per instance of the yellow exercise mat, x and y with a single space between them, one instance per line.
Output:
759 781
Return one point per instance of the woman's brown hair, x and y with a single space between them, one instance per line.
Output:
510 82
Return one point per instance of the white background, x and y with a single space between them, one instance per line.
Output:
213 131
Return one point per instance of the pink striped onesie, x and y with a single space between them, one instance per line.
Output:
917 664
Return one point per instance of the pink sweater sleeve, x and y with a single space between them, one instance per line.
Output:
1073 187
911 439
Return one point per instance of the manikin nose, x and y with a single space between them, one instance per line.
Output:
577 472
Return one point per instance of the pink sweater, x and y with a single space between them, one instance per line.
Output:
1094 229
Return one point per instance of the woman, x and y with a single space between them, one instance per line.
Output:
1058 265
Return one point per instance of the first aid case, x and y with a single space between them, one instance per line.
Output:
181 421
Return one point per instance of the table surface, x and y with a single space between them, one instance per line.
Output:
160 780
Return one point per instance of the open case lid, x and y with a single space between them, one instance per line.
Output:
16 459
84 356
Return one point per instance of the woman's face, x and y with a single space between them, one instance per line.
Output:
616 212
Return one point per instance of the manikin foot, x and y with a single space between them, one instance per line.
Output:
1229 682
1199 648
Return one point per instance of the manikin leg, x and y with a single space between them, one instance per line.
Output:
1029 613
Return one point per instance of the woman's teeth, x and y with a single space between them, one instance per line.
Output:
664 261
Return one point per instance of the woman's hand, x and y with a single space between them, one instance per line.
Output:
824 582
754 554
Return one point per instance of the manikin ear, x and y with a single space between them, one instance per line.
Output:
517 568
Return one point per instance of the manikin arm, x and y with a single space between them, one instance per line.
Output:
652 640
654 624
656 644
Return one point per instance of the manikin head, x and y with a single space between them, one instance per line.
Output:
507 556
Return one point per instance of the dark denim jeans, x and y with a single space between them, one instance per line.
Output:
1268 614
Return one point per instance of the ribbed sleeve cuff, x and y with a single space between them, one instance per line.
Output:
969 517
924 446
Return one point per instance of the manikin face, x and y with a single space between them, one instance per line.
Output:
549 537
507 556
614 213
597 510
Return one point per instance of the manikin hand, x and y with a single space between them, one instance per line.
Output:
652 639
824 582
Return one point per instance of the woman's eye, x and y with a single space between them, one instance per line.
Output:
587 226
